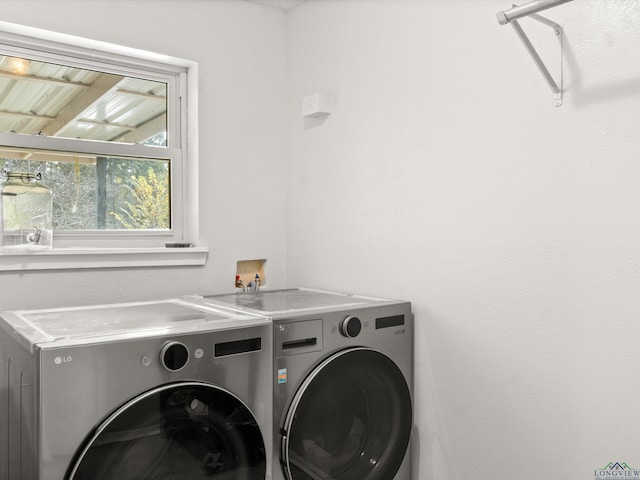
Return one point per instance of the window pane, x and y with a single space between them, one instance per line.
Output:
64 101
99 193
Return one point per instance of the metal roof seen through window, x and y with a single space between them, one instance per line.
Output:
64 101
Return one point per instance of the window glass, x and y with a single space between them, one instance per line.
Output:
92 192
65 101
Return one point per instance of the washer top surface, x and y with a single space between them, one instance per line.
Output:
119 321
288 301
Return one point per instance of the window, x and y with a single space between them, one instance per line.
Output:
106 128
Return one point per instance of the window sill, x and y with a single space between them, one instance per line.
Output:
68 258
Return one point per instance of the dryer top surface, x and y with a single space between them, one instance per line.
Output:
290 301
119 321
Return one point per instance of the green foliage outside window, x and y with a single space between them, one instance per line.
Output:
150 206
112 194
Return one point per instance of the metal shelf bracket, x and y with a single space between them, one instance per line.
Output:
529 10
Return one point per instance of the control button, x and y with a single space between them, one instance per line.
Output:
350 327
174 356
199 353
145 360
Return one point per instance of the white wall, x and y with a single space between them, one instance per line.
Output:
447 177
240 48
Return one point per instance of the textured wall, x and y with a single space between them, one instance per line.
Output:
446 176
281 5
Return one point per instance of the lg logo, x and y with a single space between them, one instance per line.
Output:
61 360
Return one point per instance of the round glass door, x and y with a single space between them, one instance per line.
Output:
187 430
350 419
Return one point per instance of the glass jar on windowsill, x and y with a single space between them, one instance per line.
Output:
26 207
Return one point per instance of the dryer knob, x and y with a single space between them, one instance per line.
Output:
174 356
351 326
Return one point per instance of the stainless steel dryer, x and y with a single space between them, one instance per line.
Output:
152 390
342 383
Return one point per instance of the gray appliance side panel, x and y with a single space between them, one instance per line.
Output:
18 427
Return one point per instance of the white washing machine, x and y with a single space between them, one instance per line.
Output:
151 390
342 381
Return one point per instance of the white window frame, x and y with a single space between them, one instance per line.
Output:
114 248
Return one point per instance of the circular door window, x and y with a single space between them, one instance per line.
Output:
350 419
187 430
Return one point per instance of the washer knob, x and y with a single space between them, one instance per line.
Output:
351 326
174 356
